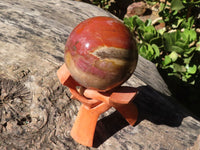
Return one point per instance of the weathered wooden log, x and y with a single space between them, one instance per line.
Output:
36 111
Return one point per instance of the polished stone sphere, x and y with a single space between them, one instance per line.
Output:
101 53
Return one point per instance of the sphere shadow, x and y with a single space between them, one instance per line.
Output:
152 105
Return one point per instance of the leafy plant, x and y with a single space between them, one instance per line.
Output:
177 13
149 38
175 51
102 3
180 55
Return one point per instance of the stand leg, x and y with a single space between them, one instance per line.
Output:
129 112
84 127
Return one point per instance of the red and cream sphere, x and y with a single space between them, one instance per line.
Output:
101 53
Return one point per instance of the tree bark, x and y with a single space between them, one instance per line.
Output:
36 111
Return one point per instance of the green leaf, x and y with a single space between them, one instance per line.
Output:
181 44
151 29
129 23
177 5
162 6
175 13
189 51
193 82
150 52
148 36
143 51
161 31
148 22
173 55
176 23
106 6
188 59
156 51
170 39
167 60
191 70
199 67
177 49
186 77
188 23
178 68
191 35
157 41
137 21
198 46
174 74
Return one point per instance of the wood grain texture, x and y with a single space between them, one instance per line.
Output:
36 111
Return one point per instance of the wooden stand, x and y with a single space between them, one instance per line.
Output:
95 103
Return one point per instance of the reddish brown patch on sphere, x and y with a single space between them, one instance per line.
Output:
100 53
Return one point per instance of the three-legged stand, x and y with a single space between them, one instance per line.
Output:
95 103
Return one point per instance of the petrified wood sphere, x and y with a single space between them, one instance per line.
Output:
101 53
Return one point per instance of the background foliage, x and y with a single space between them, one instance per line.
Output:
175 49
